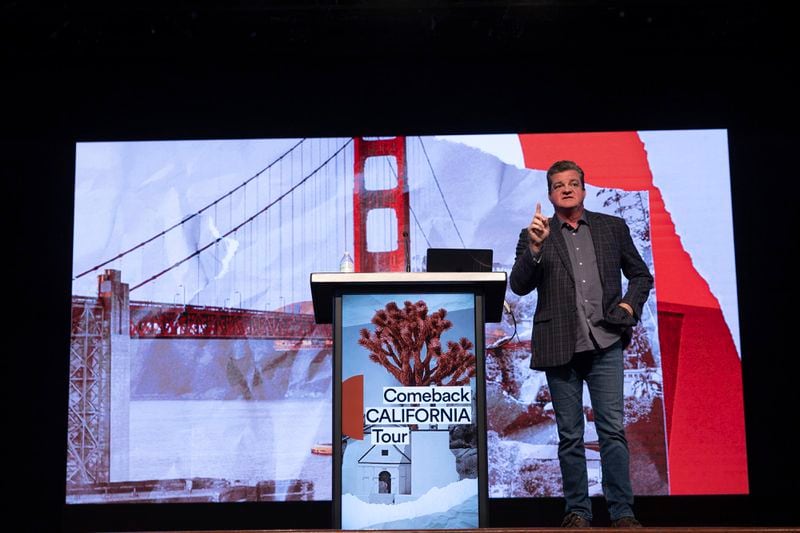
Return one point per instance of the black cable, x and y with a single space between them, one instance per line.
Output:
233 230
436 180
190 217
506 340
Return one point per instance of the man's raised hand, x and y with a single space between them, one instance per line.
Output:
538 229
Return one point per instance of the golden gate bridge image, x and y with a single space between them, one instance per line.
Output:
229 271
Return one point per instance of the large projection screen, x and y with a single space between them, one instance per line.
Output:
197 373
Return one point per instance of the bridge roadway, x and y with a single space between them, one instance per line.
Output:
163 320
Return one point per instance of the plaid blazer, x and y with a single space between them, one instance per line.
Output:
555 320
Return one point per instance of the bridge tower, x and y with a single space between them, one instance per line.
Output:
116 302
99 385
366 200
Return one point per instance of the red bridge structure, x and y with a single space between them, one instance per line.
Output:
158 320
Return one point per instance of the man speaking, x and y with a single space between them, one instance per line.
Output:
581 325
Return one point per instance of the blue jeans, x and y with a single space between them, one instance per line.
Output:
603 373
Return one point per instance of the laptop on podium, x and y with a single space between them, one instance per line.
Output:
459 260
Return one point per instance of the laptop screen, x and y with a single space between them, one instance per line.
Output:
459 260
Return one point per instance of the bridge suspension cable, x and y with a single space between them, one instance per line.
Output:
436 180
246 221
193 215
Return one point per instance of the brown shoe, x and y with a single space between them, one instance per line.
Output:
575 520
626 521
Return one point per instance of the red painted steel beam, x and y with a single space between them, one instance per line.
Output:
365 200
177 321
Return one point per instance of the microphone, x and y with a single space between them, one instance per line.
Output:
407 244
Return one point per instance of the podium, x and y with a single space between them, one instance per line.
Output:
409 397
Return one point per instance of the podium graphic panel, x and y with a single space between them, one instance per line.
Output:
409 412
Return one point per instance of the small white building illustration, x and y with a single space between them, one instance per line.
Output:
398 473
385 470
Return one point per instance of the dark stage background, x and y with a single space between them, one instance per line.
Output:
197 71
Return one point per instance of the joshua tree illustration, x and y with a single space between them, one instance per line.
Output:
398 340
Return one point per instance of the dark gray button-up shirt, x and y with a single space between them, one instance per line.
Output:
588 288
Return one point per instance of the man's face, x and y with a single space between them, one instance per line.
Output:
566 191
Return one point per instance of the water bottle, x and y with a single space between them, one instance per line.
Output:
346 264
